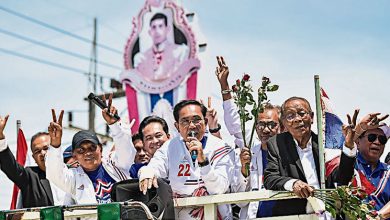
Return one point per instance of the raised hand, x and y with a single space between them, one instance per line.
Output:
222 73
350 130
211 114
55 129
110 110
370 121
3 123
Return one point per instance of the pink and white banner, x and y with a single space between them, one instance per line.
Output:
160 61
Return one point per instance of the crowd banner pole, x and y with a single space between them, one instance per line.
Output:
18 126
320 130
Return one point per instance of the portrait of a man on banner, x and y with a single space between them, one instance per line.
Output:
164 57
160 60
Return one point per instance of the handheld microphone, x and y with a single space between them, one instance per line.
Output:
97 101
194 153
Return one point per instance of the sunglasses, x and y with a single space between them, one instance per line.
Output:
381 138
270 125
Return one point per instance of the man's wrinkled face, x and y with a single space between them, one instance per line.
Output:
158 31
267 124
154 137
370 146
141 155
297 118
39 148
89 155
191 120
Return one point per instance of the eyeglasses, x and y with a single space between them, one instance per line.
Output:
293 115
262 125
381 138
187 122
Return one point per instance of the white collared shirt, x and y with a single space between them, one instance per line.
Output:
308 164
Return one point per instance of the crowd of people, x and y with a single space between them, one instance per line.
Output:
197 162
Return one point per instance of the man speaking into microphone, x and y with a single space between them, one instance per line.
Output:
195 163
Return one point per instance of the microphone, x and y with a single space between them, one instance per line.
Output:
97 101
194 153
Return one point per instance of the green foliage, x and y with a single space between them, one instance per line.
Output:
244 99
347 200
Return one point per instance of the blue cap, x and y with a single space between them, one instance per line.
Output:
68 152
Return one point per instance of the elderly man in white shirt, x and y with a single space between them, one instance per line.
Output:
293 160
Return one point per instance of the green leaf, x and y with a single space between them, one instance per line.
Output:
254 112
272 88
250 96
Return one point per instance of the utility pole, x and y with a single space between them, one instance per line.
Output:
93 71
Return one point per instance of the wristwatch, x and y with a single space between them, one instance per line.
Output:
204 163
215 130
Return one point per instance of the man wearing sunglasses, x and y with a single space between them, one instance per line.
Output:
370 173
195 163
267 125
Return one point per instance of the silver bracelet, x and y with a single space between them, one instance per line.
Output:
226 91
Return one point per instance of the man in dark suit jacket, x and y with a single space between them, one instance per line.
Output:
32 182
293 160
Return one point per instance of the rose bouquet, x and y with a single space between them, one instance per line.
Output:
245 100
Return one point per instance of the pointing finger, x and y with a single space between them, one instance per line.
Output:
209 102
53 114
223 61
349 119
104 99
60 118
355 116
383 118
6 119
219 61
110 100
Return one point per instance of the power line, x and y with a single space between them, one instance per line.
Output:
47 62
31 19
56 48
85 15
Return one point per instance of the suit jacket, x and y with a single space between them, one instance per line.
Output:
31 181
284 164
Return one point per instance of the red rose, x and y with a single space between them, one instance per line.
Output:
234 88
372 202
246 77
374 213
238 82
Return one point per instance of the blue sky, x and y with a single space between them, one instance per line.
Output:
345 42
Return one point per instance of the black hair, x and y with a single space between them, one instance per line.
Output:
35 136
282 109
151 119
135 137
184 103
159 16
